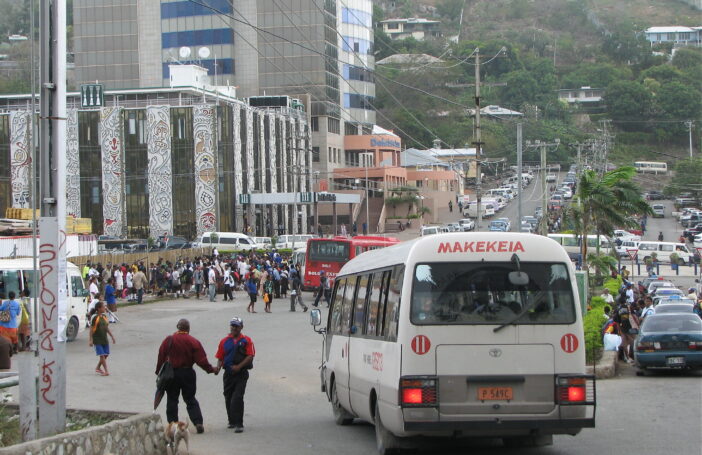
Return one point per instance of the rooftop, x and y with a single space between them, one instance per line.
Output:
671 29
405 59
412 20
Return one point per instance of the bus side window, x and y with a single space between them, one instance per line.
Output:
347 308
392 308
374 321
359 312
337 302
383 302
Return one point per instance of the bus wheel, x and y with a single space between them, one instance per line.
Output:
72 329
341 415
528 441
385 441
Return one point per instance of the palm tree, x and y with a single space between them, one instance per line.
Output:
605 202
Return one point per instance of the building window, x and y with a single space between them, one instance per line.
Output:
350 129
314 124
356 101
315 154
333 125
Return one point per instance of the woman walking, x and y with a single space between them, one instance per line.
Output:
252 290
99 329
268 293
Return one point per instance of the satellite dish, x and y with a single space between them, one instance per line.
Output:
203 52
184 52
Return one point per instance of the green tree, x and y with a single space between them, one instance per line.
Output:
602 202
688 178
598 75
627 100
450 9
521 88
679 101
686 58
661 73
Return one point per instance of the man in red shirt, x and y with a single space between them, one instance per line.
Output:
235 354
183 350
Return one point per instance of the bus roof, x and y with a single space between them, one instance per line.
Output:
24 264
461 246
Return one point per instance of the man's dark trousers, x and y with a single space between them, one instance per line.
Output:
234 389
184 382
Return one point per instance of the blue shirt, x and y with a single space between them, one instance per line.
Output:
251 287
276 275
15 310
110 294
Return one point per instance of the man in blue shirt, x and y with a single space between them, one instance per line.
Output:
9 329
110 299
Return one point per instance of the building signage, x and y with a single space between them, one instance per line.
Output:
326 197
306 197
244 199
384 143
92 95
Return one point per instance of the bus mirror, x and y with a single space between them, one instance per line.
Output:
518 278
315 317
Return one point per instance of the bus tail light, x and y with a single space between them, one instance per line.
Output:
419 391
575 390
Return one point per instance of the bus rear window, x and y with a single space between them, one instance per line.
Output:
329 251
482 293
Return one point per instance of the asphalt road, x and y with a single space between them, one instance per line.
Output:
287 414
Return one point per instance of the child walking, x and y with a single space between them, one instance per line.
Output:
99 329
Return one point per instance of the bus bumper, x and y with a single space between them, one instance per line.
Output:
500 426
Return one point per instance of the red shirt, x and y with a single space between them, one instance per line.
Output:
184 352
228 343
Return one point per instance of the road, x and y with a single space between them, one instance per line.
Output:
287 414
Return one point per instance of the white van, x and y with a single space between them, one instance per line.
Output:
458 335
299 257
18 274
663 251
626 245
471 209
227 241
292 241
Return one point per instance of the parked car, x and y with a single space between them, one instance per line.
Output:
538 212
625 235
551 177
691 232
667 292
498 226
658 210
671 340
526 227
507 221
675 308
531 220
429 230
467 223
654 195
655 284
671 299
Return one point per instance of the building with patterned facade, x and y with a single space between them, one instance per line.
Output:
166 161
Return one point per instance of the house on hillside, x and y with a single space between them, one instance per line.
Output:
678 35
418 28
584 95
410 60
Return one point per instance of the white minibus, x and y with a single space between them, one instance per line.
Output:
292 241
471 209
663 251
459 335
18 274
227 241
571 244
299 257
653 167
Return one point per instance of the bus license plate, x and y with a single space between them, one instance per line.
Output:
675 361
494 393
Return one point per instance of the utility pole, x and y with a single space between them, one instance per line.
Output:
478 143
52 252
519 173
544 193
689 124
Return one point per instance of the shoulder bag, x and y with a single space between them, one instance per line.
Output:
5 315
165 374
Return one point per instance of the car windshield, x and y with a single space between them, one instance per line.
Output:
481 293
333 251
672 323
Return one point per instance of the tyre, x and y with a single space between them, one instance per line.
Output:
341 415
528 441
386 442
72 329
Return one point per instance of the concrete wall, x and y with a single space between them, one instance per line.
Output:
141 434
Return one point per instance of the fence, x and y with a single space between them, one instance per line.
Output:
147 258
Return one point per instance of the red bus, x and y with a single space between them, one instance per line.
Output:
331 254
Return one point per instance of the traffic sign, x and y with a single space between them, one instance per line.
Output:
632 253
569 343
421 344
92 95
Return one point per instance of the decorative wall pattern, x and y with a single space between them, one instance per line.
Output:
273 164
160 170
72 165
306 162
284 172
20 159
238 171
112 148
205 168
250 165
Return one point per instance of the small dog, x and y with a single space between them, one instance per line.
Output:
176 432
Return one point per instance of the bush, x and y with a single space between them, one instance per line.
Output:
592 325
613 284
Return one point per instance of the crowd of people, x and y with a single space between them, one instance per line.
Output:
625 313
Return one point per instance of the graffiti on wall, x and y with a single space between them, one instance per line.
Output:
160 173
205 168
20 159
112 147
72 165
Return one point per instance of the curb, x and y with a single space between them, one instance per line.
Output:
607 366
